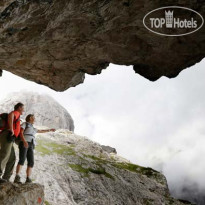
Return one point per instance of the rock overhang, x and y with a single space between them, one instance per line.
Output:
55 43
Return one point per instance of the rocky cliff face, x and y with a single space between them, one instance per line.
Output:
47 111
75 170
55 42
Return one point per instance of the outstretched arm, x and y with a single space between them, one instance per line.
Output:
44 131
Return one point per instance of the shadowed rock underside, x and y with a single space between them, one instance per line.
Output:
55 42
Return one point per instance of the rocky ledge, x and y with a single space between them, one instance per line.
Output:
21 194
55 42
76 170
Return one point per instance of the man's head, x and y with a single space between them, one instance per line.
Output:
19 107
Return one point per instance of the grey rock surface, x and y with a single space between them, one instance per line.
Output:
47 111
55 42
81 172
109 149
25 194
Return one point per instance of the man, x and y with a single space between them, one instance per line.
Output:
7 138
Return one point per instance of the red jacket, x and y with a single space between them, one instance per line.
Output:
16 124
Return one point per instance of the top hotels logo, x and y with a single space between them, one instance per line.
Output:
173 21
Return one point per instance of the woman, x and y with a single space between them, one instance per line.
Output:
26 147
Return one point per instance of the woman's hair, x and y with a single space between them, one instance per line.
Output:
28 117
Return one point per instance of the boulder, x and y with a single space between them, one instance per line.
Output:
48 112
21 194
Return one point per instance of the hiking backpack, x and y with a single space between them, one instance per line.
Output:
3 121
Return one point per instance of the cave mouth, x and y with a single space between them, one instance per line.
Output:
157 121
42 41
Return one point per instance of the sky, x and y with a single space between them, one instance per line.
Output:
154 124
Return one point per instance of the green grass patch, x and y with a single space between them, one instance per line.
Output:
98 161
85 171
149 172
101 170
46 203
48 148
148 201
136 168
128 166
171 201
93 157
79 168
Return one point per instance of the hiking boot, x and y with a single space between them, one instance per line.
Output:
17 179
3 181
28 180
6 178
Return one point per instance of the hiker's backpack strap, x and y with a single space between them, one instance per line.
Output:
16 120
27 126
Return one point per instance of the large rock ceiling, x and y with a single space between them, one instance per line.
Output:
55 42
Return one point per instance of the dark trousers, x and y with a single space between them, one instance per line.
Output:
26 153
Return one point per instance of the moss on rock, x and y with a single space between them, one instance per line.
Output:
48 148
136 168
46 203
149 172
85 171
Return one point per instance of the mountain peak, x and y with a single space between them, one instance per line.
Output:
48 112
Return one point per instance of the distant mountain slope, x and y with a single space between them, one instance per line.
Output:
75 170
48 112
